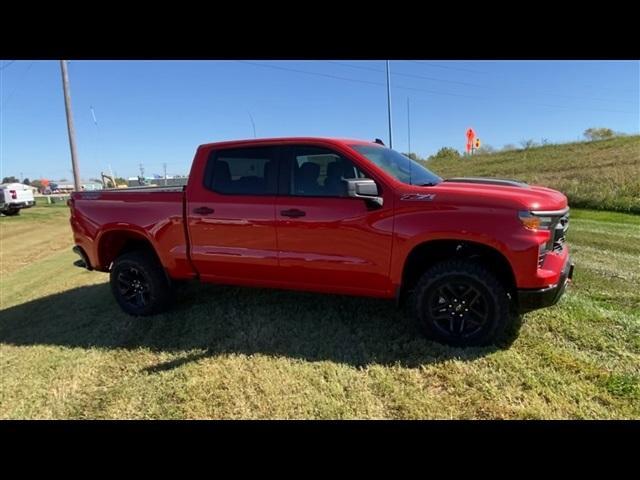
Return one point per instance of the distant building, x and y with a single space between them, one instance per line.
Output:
69 187
65 187
171 181
92 186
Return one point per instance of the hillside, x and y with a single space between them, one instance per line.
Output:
602 175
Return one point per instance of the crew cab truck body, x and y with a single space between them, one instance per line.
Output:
334 216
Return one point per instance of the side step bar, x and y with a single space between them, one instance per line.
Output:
83 261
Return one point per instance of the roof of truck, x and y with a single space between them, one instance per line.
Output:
13 185
344 141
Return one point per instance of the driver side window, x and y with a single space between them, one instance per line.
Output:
320 172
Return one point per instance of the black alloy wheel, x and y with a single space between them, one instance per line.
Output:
461 303
140 284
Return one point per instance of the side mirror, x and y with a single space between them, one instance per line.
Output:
366 189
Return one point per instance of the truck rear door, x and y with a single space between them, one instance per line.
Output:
230 215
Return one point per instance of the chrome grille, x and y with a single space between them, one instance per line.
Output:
541 258
559 233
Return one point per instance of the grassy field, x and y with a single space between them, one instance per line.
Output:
602 175
66 350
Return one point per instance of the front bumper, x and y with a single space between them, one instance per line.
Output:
529 300
14 205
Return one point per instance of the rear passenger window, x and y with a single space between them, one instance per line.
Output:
242 171
319 172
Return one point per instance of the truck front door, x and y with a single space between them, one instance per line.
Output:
328 241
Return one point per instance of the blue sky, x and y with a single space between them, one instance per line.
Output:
152 112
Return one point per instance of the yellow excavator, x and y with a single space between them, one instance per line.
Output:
109 182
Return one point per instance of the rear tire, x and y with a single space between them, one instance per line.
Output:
461 303
139 284
12 212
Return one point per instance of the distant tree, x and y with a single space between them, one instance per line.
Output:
412 156
446 153
120 181
38 184
486 149
544 141
63 180
508 147
26 181
598 133
11 179
527 144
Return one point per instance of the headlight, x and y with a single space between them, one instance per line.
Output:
534 222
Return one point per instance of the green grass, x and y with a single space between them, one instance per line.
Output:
66 350
599 175
56 201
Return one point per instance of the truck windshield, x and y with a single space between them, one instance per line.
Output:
398 166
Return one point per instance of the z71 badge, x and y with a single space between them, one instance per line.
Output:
419 197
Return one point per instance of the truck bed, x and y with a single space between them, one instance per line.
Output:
151 214
144 188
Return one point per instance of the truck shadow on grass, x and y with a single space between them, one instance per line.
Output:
215 320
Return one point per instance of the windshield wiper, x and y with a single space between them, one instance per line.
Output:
428 184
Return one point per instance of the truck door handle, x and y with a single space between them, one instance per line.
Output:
293 213
203 210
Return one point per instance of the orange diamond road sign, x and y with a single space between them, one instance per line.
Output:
470 136
477 144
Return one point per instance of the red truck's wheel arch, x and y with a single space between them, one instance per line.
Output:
113 243
428 253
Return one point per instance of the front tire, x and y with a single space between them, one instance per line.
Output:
11 212
139 284
461 303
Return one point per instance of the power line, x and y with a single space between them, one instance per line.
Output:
431 92
436 65
20 83
410 75
7 65
276 67
549 105
336 77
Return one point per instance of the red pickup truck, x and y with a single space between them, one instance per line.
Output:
336 216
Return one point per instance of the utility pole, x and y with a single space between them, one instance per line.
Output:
70 127
164 165
141 180
389 106
409 125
